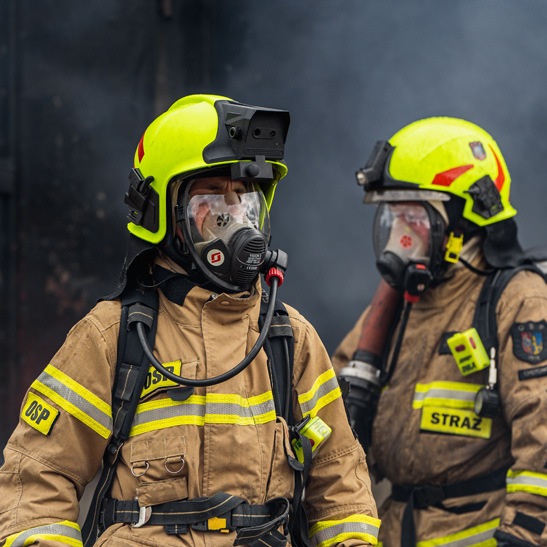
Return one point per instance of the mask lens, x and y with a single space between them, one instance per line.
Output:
403 229
221 215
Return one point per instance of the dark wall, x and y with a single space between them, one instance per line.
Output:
79 84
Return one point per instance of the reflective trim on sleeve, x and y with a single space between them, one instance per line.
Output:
75 399
445 394
527 481
324 390
212 408
64 532
329 532
478 536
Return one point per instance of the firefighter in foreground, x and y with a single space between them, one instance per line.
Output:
448 365
208 438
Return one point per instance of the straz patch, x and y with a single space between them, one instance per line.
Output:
155 380
528 342
455 421
39 414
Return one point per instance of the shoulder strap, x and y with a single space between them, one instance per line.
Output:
131 370
279 347
485 312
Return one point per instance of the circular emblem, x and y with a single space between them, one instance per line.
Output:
215 257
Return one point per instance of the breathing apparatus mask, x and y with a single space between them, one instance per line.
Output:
225 229
408 237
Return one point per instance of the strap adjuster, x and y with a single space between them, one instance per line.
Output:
425 496
214 524
144 515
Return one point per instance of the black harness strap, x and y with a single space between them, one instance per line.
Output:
131 370
254 524
421 497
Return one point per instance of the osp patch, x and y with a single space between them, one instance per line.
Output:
529 344
39 414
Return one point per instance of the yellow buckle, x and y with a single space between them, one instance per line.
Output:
453 248
214 523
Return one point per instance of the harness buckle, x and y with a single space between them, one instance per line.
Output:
144 516
425 496
214 524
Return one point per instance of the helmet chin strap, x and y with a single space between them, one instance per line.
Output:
277 265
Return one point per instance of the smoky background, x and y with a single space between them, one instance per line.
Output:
80 82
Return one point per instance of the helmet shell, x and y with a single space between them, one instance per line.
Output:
449 155
174 144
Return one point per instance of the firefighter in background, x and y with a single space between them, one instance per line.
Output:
207 459
454 418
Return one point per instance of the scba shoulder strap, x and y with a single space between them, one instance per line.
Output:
132 368
484 319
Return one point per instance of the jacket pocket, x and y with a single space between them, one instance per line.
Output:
281 480
158 459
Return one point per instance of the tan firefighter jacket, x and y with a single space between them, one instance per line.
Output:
426 432
224 438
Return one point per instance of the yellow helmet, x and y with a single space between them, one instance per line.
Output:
434 157
197 133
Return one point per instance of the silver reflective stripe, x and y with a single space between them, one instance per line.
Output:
61 530
199 411
473 537
353 528
524 479
324 389
447 394
83 410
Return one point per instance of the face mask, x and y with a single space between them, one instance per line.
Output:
403 235
228 233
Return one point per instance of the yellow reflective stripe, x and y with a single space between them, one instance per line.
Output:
527 481
445 394
75 399
63 532
213 408
329 532
324 390
478 536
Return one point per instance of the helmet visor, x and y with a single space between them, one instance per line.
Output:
403 228
212 216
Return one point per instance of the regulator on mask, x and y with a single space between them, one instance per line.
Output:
226 234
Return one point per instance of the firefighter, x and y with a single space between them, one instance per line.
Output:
204 451
451 406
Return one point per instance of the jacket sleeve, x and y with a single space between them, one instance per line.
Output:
522 375
339 503
57 447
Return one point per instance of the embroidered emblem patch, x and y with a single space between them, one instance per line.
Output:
528 343
478 150
39 414
156 381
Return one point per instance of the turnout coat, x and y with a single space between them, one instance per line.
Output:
223 438
427 433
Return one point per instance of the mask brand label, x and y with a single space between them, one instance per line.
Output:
39 414
215 257
455 421
156 380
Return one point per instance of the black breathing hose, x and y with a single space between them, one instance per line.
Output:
274 281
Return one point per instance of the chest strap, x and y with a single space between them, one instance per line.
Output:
255 525
421 497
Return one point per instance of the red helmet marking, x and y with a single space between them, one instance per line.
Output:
140 149
446 178
500 179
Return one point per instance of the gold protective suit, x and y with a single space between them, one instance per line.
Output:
426 433
224 438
